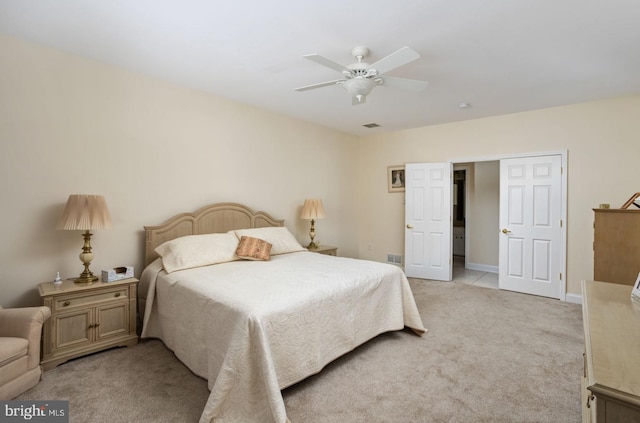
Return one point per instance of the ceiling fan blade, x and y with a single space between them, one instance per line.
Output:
326 62
404 84
320 85
395 60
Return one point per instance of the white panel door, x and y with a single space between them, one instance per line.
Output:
530 223
428 220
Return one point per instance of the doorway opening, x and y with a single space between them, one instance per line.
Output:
476 201
459 179
514 213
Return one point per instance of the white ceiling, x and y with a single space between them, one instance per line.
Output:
500 56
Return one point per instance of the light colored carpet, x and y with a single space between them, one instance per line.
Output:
489 356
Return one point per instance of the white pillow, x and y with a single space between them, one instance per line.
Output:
281 240
197 250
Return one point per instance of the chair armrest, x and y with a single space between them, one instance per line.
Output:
21 322
25 323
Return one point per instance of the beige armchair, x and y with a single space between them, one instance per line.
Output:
20 331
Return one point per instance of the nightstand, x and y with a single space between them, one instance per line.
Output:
326 249
87 318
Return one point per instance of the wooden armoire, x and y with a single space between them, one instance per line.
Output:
616 245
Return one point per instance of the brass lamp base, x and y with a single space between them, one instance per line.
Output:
86 256
312 234
85 280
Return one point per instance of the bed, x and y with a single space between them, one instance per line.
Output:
254 327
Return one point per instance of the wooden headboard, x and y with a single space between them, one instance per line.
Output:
214 218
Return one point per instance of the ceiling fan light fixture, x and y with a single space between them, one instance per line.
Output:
359 86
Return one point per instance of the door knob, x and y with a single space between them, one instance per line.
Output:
506 231
409 226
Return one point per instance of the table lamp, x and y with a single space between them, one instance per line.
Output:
85 212
312 209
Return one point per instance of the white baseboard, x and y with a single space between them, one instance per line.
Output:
483 267
573 298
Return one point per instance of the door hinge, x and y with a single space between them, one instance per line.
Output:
560 275
561 223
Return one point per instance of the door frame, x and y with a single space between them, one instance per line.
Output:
563 214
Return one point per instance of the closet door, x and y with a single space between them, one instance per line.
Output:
428 224
530 247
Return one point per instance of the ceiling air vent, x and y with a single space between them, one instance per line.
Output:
371 125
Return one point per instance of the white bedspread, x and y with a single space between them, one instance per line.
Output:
253 328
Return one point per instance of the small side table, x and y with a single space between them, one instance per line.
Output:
87 318
328 250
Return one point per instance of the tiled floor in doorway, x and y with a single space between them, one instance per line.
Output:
473 277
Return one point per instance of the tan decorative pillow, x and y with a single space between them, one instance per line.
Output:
253 249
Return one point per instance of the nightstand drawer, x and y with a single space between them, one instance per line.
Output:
67 302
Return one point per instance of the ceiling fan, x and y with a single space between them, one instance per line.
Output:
360 78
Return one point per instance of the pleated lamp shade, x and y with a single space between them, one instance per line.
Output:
313 209
85 212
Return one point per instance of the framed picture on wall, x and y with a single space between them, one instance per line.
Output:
395 178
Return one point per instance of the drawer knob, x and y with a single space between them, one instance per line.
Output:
117 294
66 303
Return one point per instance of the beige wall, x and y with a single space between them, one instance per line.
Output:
69 125
601 137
